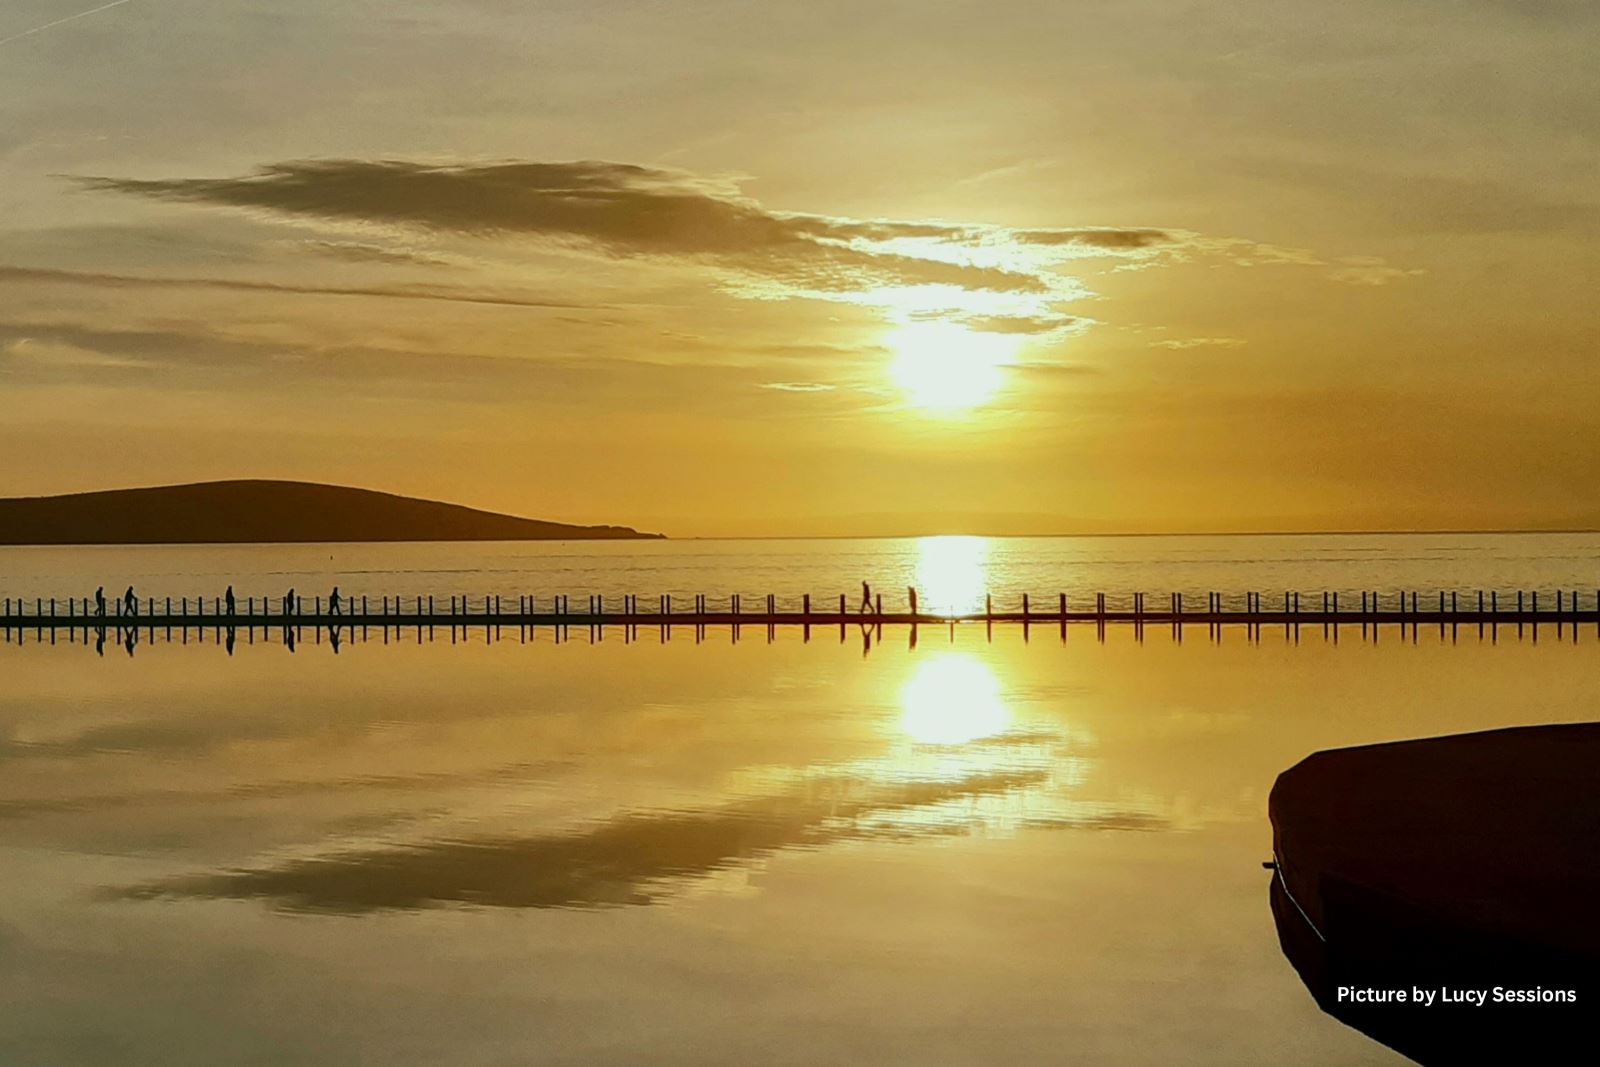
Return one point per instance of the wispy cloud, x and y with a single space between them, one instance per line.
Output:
799 387
365 252
45 275
1182 343
1369 270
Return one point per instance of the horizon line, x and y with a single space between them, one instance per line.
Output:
1450 531
1462 532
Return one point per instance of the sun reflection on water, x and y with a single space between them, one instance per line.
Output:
952 573
952 698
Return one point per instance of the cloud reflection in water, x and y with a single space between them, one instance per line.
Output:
636 857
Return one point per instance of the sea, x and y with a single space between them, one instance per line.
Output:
969 845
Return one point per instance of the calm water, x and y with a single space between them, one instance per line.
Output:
722 853
951 573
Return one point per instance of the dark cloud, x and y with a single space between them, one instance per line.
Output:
1102 239
633 858
448 294
625 209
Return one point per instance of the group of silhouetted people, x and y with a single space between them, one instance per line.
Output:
291 602
869 606
130 603
128 607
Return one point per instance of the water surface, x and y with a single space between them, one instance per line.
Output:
667 852
951 573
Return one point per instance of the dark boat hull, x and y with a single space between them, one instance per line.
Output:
1454 867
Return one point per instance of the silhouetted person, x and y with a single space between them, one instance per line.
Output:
333 601
100 601
130 602
866 599
289 604
228 599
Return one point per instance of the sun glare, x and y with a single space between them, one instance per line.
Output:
951 699
944 367
952 573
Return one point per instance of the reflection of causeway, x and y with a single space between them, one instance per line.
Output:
636 857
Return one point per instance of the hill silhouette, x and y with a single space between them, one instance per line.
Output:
234 512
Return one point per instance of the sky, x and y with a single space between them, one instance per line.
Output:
723 268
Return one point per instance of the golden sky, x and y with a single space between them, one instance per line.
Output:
726 268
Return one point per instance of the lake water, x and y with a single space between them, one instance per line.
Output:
970 851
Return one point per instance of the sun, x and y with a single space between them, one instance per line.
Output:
945 367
